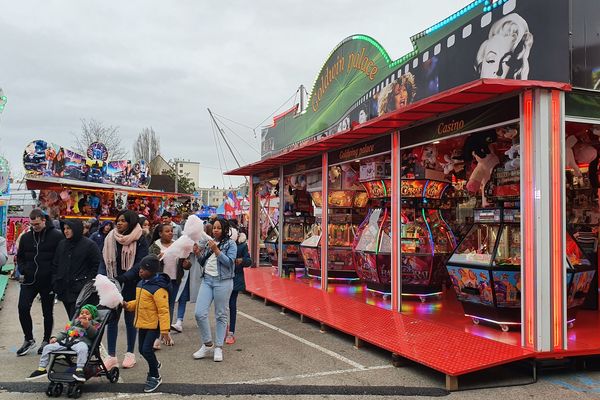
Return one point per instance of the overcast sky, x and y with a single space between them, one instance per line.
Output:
136 64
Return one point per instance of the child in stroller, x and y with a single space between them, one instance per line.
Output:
81 339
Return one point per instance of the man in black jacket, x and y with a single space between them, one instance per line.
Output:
75 263
34 260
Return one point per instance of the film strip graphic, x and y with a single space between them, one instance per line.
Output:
361 111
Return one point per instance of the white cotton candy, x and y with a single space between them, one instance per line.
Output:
194 227
181 248
107 291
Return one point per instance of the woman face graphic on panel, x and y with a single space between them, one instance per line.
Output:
505 54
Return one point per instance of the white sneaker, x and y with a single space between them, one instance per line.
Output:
218 356
177 326
203 352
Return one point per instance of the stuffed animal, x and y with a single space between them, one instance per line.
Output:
482 172
109 294
570 156
478 146
514 158
429 157
454 164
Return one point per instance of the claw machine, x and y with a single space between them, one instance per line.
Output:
485 270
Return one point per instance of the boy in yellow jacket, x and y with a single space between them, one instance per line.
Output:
152 319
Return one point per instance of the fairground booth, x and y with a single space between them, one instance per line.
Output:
72 185
445 204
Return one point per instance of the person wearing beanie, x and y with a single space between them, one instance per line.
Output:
77 336
75 263
152 318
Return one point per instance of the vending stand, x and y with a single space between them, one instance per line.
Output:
478 153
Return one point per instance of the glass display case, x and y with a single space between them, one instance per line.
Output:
295 230
341 230
372 250
485 270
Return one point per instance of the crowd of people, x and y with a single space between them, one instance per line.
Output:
55 261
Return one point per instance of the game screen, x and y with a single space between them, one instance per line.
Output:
341 198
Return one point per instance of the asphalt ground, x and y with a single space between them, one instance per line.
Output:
276 356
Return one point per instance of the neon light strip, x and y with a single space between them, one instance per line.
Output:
396 224
378 291
556 233
491 320
528 196
431 243
380 233
449 230
422 295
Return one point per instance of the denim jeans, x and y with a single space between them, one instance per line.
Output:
233 310
147 338
172 297
219 291
80 348
183 299
112 331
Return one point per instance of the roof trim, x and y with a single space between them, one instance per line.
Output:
448 101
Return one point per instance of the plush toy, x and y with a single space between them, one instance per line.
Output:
454 164
478 146
429 157
514 158
482 172
109 294
570 156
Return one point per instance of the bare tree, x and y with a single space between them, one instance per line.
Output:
95 131
147 145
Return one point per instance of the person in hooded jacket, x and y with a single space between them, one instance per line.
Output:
34 260
99 236
124 248
75 263
242 260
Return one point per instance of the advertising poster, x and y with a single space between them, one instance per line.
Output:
360 81
42 158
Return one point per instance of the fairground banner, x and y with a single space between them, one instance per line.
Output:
503 39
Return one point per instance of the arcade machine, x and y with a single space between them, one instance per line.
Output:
426 239
346 212
485 270
372 246
296 223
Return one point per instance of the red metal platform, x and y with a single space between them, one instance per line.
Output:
444 348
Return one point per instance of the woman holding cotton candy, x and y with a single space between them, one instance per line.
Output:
124 248
218 260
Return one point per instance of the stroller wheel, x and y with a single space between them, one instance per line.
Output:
74 391
54 389
50 389
113 375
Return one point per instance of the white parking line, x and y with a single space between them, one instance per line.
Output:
304 341
313 375
127 396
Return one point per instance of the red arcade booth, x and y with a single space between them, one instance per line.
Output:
478 155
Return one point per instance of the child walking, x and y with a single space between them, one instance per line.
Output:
77 336
152 319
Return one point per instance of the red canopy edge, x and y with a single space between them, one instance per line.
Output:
450 100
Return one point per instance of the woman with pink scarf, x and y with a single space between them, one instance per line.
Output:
124 248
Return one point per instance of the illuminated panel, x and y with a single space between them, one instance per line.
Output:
395 218
528 199
557 232
324 220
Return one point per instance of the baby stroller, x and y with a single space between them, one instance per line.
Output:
62 363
